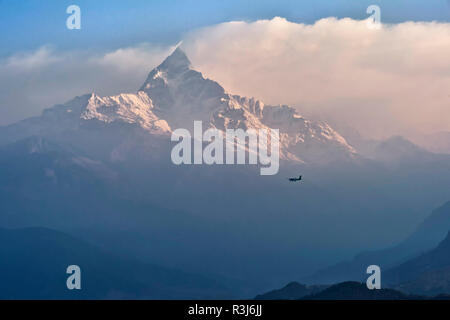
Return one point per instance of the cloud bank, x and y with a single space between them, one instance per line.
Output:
395 80
33 81
381 82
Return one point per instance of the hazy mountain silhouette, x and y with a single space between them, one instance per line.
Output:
427 235
428 273
34 262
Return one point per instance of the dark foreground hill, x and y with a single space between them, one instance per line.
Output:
34 261
358 291
349 290
292 291
342 291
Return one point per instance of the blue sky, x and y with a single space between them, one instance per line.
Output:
107 24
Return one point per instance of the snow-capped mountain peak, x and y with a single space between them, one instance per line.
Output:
177 62
175 95
182 95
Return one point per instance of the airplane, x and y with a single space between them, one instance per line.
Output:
295 179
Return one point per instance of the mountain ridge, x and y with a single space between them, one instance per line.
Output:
38 258
420 273
174 96
426 236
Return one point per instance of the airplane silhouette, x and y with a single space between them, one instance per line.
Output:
295 179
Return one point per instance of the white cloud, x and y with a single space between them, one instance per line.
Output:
31 60
382 82
141 58
32 81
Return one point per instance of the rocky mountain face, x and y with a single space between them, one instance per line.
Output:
174 96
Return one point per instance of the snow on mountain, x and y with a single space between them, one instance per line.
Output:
129 108
174 96
183 95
